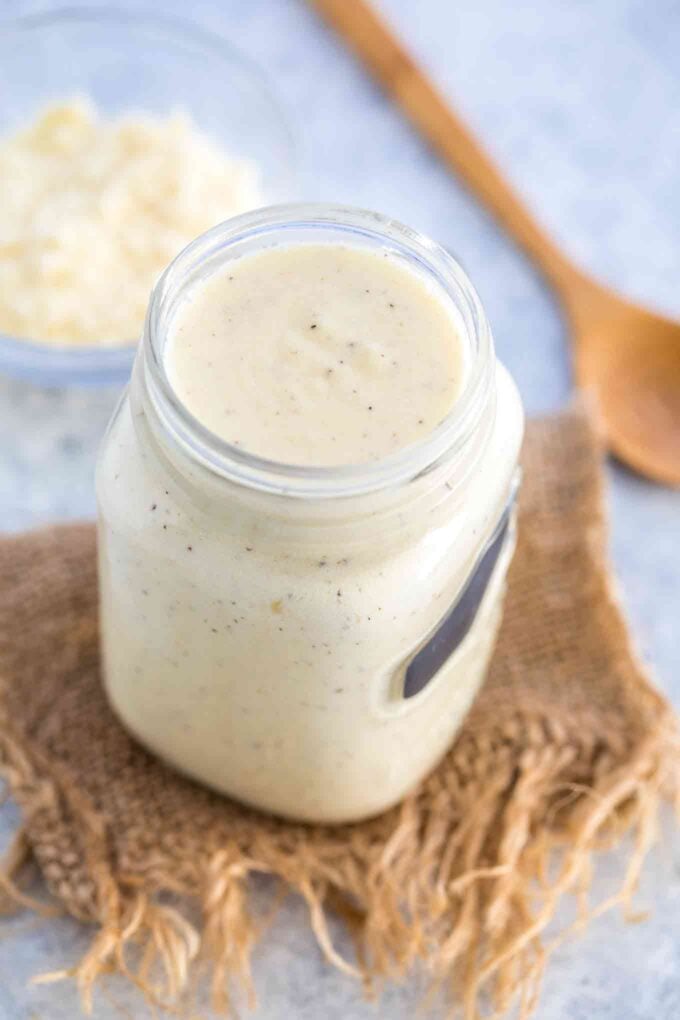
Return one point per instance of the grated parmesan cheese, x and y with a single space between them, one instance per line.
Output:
91 212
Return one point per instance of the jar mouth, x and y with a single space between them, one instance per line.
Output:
278 224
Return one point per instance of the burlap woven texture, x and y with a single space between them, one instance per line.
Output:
567 747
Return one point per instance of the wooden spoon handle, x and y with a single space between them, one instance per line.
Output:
377 46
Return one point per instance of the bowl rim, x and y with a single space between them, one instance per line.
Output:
32 358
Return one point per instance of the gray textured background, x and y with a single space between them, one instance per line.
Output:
580 102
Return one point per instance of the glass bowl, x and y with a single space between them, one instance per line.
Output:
134 63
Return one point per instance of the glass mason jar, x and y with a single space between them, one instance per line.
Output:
307 640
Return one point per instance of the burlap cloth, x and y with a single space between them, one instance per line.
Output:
566 748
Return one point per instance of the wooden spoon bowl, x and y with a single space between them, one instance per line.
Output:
630 358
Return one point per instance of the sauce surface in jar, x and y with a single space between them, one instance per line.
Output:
316 354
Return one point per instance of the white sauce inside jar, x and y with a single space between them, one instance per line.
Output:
316 354
259 641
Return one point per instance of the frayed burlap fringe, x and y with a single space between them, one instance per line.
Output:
463 878
474 926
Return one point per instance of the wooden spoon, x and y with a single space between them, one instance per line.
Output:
627 355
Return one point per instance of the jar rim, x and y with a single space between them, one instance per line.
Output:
446 441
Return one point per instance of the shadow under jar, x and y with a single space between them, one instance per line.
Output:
307 640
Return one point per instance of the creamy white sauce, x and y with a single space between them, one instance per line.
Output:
317 354
259 643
